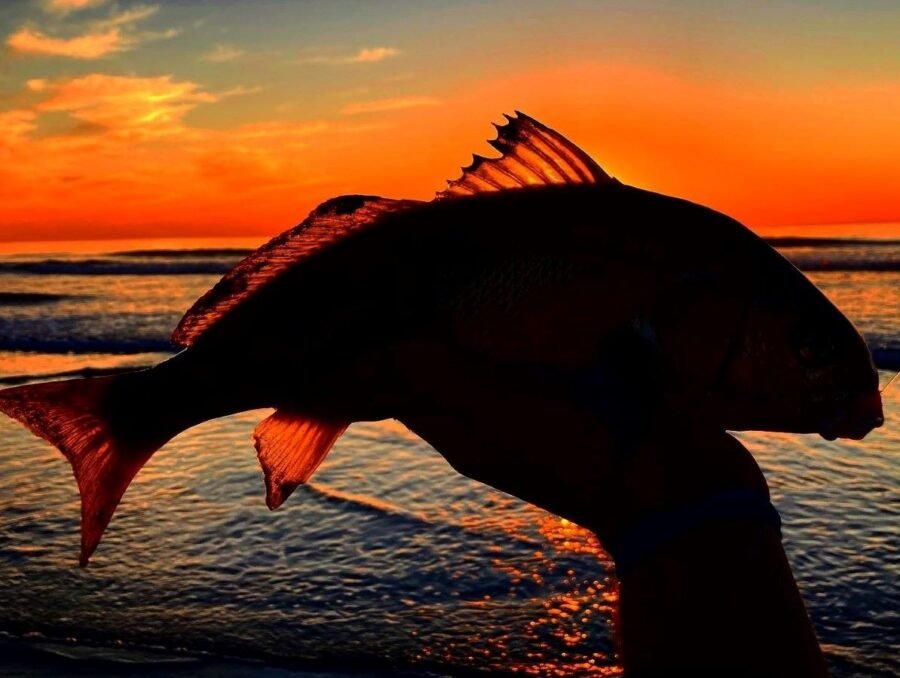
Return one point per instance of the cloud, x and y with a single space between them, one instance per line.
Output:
88 46
115 33
222 53
128 16
393 104
147 36
129 150
366 55
278 131
129 107
370 54
66 6
259 156
239 91
15 125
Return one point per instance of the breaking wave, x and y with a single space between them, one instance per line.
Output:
811 263
886 358
833 254
232 252
125 266
86 345
794 241
18 379
808 254
31 298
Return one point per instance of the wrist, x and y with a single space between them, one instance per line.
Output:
674 469
743 508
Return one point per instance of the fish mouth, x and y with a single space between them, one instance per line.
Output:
855 422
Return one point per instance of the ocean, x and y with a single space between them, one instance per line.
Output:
387 562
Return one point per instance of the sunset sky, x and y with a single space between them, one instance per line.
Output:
204 118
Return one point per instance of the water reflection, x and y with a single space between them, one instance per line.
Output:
389 558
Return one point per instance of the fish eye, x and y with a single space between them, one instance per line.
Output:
815 349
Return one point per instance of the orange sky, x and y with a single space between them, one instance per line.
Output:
235 137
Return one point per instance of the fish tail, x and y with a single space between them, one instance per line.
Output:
101 429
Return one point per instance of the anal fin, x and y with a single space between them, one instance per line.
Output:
290 447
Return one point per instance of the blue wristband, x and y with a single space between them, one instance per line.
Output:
659 529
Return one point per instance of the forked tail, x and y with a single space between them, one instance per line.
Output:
100 429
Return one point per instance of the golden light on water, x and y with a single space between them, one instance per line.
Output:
562 635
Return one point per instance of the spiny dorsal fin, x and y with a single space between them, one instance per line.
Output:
532 154
328 223
290 447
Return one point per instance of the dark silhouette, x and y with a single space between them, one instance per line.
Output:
579 343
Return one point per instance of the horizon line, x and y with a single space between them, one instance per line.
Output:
763 231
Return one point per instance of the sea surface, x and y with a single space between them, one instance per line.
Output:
388 562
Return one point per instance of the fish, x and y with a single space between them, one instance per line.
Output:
535 266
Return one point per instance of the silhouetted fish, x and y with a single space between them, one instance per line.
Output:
536 263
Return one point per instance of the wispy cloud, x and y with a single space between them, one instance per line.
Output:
239 91
278 130
260 156
370 54
131 107
128 16
111 115
66 6
16 124
393 104
366 55
136 109
221 54
151 36
87 46
115 33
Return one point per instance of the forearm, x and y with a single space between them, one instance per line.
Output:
720 600
720 597
706 589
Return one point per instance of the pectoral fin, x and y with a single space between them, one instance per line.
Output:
290 447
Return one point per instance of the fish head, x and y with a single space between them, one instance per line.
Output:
797 364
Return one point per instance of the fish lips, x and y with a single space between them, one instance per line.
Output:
855 422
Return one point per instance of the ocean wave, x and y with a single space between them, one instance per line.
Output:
886 358
63 656
73 651
214 266
234 252
86 345
362 502
808 254
31 298
817 264
829 254
795 241
115 267
18 379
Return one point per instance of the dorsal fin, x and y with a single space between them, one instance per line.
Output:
532 154
328 223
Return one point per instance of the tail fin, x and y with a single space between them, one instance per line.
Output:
78 416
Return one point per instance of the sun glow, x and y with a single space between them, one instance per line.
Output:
113 128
